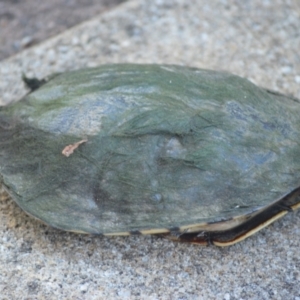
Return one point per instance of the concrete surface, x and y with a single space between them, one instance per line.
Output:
256 39
28 22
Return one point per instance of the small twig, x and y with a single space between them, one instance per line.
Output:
68 150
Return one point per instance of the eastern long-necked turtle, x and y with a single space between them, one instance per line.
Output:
153 149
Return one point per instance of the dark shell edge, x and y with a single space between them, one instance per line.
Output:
212 233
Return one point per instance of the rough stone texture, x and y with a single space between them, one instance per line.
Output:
25 23
256 39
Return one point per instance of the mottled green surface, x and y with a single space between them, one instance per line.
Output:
167 146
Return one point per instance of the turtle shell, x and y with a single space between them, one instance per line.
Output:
206 156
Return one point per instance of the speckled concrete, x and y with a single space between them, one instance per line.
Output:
256 39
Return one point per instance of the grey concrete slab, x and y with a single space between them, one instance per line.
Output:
256 39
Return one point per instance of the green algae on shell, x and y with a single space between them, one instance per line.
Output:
206 156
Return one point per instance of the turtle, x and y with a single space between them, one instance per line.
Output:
196 155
